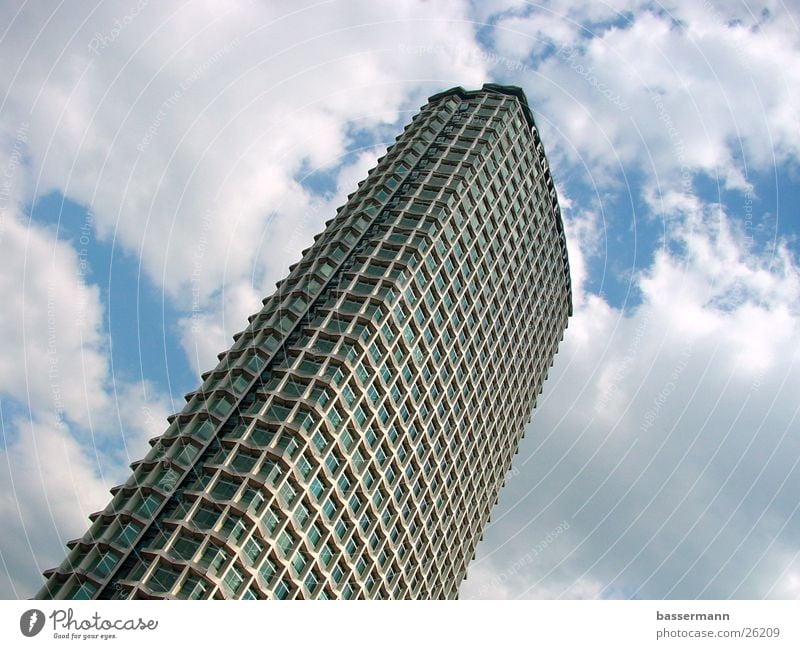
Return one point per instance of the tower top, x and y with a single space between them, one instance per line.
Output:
513 91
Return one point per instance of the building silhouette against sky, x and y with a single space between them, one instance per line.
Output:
353 440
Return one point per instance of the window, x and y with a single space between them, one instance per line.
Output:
261 436
317 488
285 542
299 562
313 534
325 554
220 406
383 414
329 508
304 466
319 441
281 590
225 488
348 395
332 463
288 493
319 396
233 580
82 590
372 393
358 414
185 547
267 570
335 418
309 366
128 532
347 439
344 483
362 373
244 461
337 573
287 444
164 578
311 581
193 587
185 453
147 506
104 563
205 517
301 515
277 413
201 428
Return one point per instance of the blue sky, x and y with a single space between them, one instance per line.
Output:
163 165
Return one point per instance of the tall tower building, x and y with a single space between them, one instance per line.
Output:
353 440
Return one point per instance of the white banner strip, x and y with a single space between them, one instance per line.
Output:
401 624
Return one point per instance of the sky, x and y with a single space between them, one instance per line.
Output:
162 164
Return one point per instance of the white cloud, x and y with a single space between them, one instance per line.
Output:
69 428
671 93
196 109
50 484
54 354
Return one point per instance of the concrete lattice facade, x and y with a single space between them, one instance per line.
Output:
354 439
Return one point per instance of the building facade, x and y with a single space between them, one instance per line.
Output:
353 440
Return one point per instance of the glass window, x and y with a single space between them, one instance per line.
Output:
205 517
164 578
104 563
277 413
329 508
233 579
359 415
319 441
267 570
317 488
348 395
299 562
127 534
325 554
281 590
185 547
261 436
82 590
225 488
148 505
332 462
244 461
193 587
344 483
335 418
201 428
313 534
304 466
220 406
285 542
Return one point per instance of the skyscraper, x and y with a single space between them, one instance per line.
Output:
353 440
